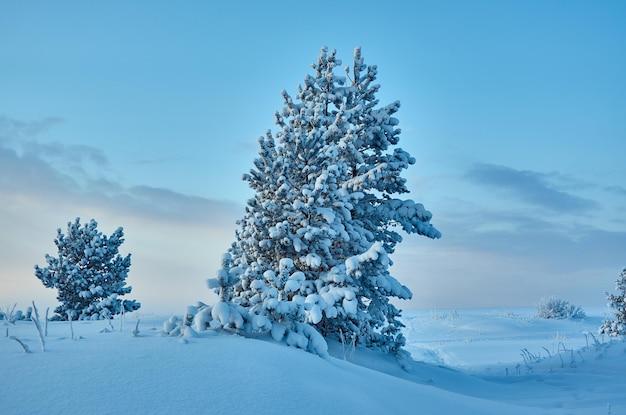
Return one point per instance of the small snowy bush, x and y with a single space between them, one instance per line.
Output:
617 302
9 315
556 308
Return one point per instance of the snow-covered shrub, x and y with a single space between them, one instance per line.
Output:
173 326
556 308
8 315
617 302
311 252
89 273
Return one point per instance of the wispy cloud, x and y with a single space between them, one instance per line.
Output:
11 128
565 246
511 236
163 203
161 160
617 190
507 259
69 154
24 138
531 187
31 170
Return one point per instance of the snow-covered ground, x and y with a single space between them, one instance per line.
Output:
479 361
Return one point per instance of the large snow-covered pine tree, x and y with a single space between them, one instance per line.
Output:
89 273
311 254
617 302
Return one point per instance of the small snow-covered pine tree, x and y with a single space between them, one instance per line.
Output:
617 302
89 273
311 254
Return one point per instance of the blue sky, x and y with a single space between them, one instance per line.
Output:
146 114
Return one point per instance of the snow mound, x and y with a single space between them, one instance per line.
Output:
221 372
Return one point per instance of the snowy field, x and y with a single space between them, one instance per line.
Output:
478 361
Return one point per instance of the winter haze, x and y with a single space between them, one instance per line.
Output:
145 116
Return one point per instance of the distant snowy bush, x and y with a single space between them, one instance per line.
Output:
10 315
617 302
556 308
